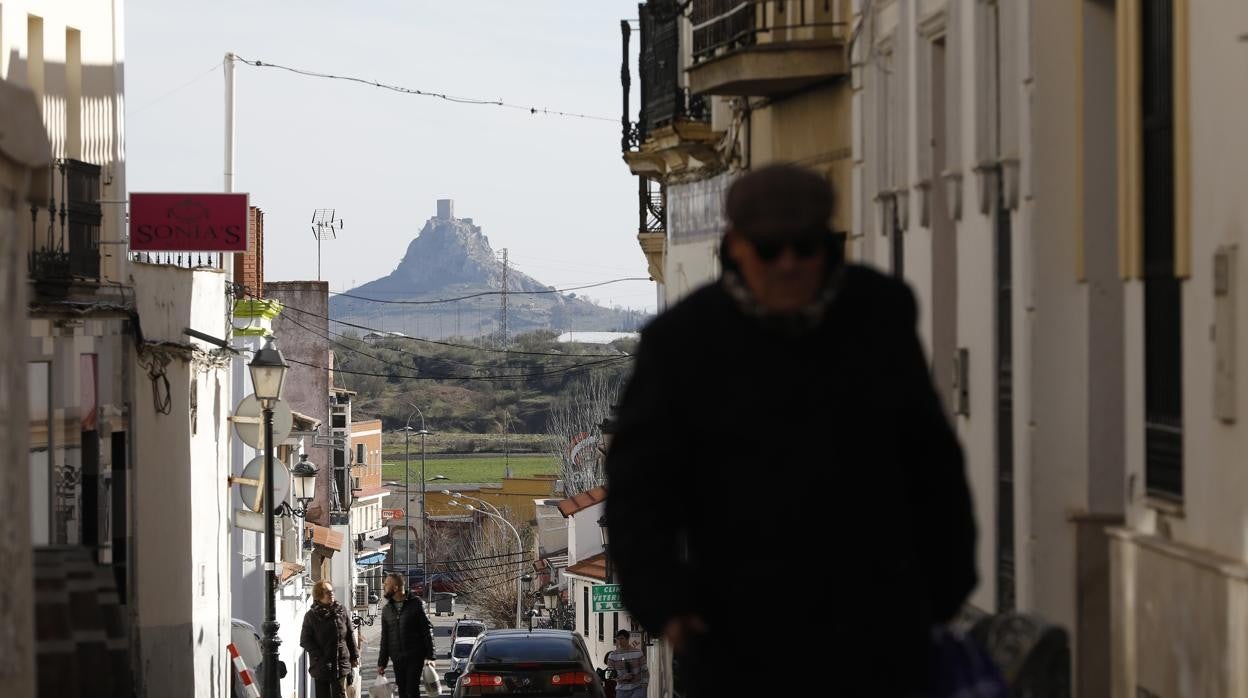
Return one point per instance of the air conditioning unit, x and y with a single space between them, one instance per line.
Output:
360 597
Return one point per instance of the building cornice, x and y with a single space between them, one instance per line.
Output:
256 308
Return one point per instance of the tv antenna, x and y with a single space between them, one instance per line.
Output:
325 226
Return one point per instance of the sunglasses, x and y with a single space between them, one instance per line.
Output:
803 248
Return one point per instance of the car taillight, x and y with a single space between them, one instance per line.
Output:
576 678
481 680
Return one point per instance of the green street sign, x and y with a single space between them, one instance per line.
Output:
606 598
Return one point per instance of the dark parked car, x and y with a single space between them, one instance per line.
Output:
529 663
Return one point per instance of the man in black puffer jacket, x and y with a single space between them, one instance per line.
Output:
330 643
406 637
799 378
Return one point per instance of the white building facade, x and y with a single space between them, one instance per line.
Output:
1054 179
180 586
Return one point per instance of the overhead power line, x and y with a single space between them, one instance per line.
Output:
453 362
130 112
425 93
390 335
520 376
491 293
567 371
449 561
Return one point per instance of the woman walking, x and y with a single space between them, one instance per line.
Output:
330 642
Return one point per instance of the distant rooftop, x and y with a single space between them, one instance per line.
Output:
594 337
582 501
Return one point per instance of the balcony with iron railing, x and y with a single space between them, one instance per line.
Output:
186 260
65 235
673 130
767 47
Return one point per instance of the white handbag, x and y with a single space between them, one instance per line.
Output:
433 685
380 688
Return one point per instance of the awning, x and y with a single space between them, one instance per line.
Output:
326 537
289 571
370 560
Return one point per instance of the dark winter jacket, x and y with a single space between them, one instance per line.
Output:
329 640
861 526
406 636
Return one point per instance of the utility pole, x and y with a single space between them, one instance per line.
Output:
502 318
407 500
424 520
229 121
227 258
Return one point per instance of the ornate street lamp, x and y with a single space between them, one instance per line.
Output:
607 428
305 484
606 550
268 372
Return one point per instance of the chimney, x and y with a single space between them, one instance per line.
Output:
249 266
446 209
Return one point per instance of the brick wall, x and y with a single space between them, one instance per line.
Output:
249 267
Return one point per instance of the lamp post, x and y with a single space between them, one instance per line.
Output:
526 580
268 371
606 550
607 428
424 518
460 495
519 553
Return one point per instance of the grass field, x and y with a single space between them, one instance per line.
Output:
472 469
467 443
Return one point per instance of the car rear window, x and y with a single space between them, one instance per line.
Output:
526 649
469 630
462 649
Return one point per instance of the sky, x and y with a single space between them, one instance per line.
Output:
552 190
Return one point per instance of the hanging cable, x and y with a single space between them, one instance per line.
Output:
451 377
423 93
491 293
568 371
390 335
151 103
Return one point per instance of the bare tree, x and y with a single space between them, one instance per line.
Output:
489 568
574 432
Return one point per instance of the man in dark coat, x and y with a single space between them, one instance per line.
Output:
406 636
780 448
329 640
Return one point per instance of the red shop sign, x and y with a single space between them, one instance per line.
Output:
188 222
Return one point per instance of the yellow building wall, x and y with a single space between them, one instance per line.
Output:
513 497
813 129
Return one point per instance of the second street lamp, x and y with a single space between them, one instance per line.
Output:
606 549
305 483
268 372
424 521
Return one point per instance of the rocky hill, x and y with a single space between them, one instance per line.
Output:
451 257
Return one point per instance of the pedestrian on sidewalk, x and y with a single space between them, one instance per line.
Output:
802 376
632 678
329 640
406 636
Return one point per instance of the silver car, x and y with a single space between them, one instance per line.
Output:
459 658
